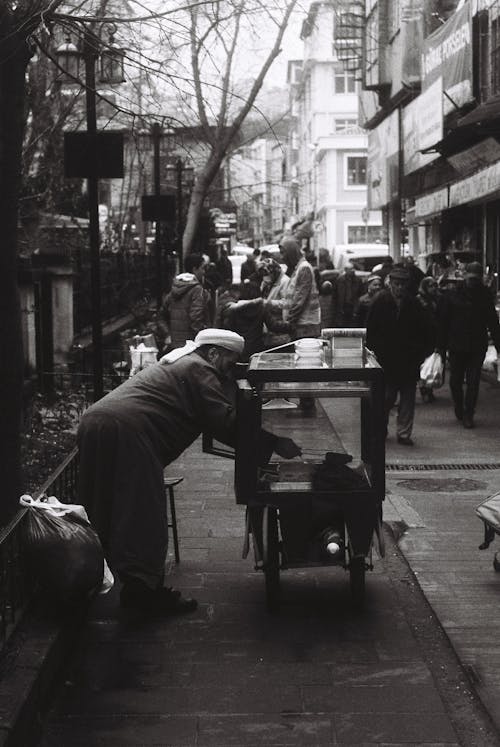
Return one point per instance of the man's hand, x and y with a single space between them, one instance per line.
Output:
286 448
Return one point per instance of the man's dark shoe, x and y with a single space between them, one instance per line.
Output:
459 413
165 601
405 441
468 421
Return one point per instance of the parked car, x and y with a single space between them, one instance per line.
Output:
363 257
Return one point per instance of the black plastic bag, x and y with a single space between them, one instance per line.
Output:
63 553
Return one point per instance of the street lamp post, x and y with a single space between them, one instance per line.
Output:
90 56
156 136
101 159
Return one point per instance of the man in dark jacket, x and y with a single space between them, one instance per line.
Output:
186 309
466 315
127 438
399 333
347 289
249 267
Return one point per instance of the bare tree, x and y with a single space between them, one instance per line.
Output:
213 33
219 34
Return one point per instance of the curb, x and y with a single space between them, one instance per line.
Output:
29 669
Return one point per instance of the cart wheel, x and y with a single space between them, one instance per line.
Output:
271 558
357 580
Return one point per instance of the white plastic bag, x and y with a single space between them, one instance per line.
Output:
431 371
489 511
490 358
51 507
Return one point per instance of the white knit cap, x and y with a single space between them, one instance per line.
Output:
223 338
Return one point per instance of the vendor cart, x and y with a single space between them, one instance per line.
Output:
325 507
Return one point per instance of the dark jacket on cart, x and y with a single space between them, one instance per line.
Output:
401 338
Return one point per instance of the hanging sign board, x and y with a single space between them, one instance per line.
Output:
447 53
97 154
485 182
382 175
432 203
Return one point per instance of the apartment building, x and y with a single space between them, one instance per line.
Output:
431 87
328 169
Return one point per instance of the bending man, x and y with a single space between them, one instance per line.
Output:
128 438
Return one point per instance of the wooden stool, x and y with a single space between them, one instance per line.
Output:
170 483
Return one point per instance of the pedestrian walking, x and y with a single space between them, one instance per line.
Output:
225 268
245 315
399 333
347 289
126 440
465 318
374 284
428 297
186 309
416 274
301 309
249 267
301 302
273 288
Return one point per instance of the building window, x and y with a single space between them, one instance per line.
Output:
345 82
343 125
365 234
356 171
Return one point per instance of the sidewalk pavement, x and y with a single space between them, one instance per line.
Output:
231 674
443 532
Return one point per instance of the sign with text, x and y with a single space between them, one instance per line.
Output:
447 53
478 185
431 115
413 159
382 169
432 203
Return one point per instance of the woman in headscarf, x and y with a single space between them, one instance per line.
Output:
273 288
374 284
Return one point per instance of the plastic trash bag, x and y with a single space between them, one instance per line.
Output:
62 551
490 358
431 371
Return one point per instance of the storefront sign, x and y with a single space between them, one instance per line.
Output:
432 203
383 147
448 53
478 185
413 159
481 154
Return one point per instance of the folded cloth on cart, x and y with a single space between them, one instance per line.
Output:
334 474
489 513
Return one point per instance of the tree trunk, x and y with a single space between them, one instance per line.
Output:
13 62
198 194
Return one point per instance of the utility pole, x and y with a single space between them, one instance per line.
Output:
179 166
156 135
93 197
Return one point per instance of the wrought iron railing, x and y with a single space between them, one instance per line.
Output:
15 587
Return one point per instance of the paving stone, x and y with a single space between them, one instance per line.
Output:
123 731
292 729
399 728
